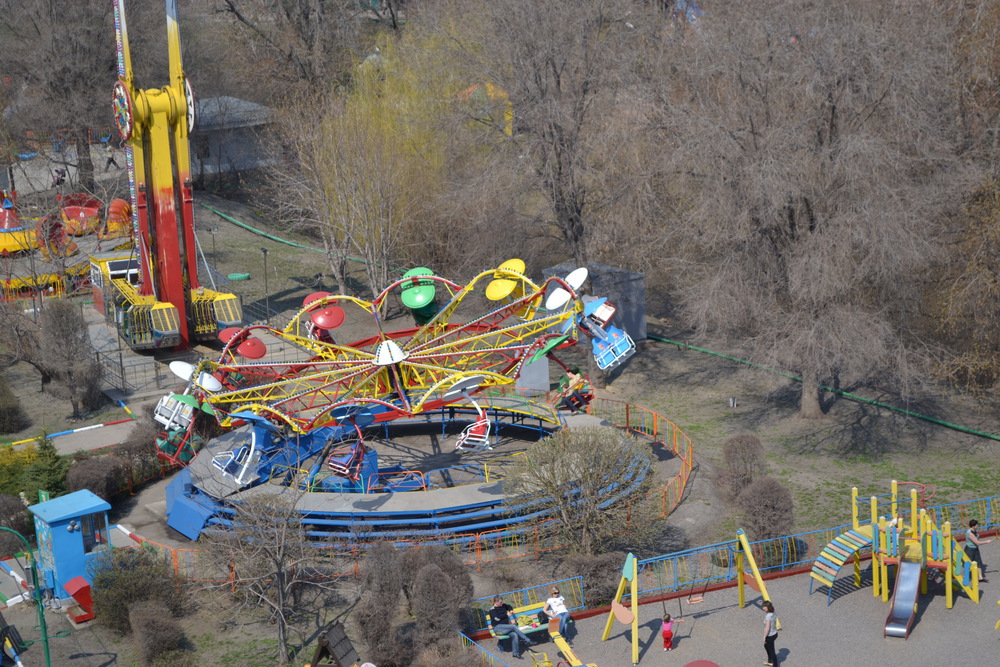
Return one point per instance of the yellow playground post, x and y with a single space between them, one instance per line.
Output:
630 576
752 578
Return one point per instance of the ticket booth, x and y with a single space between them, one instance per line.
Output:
71 530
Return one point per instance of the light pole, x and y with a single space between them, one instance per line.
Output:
267 292
36 593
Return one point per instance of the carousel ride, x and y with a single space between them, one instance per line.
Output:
35 249
299 408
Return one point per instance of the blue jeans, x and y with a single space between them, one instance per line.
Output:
515 635
564 619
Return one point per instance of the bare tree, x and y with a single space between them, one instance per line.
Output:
302 44
593 481
814 149
569 68
59 348
360 166
62 55
970 313
742 463
272 561
65 346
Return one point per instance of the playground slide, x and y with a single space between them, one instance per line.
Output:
904 600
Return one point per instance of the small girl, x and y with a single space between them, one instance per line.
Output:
668 632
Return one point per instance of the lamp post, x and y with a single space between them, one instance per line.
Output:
36 593
267 292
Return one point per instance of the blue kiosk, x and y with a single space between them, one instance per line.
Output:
71 530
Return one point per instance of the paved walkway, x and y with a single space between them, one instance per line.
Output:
848 632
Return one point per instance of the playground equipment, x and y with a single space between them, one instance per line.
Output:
630 574
52 239
912 543
164 306
627 615
14 236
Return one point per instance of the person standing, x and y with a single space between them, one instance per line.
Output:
972 544
770 633
555 606
668 632
110 153
504 622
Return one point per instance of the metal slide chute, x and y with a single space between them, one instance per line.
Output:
904 600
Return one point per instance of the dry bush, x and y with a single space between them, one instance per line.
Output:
413 560
767 509
123 577
12 415
742 463
435 603
451 653
14 515
381 573
155 632
386 646
102 475
601 575
508 574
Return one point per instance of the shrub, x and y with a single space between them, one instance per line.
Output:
12 415
46 473
767 509
374 626
742 463
435 603
601 575
14 515
455 571
154 630
122 577
13 463
102 475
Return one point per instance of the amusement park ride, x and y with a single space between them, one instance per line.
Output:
155 298
295 403
300 422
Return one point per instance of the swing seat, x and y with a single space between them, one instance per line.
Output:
612 351
346 461
229 463
475 437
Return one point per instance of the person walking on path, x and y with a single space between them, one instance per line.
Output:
555 606
668 632
503 622
109 151
770 633
972 544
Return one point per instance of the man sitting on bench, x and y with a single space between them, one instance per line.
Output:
503 622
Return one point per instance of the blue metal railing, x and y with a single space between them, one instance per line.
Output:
571 589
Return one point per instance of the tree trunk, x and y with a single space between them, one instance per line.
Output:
84 165
809 407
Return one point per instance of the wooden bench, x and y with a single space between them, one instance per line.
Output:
533 626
